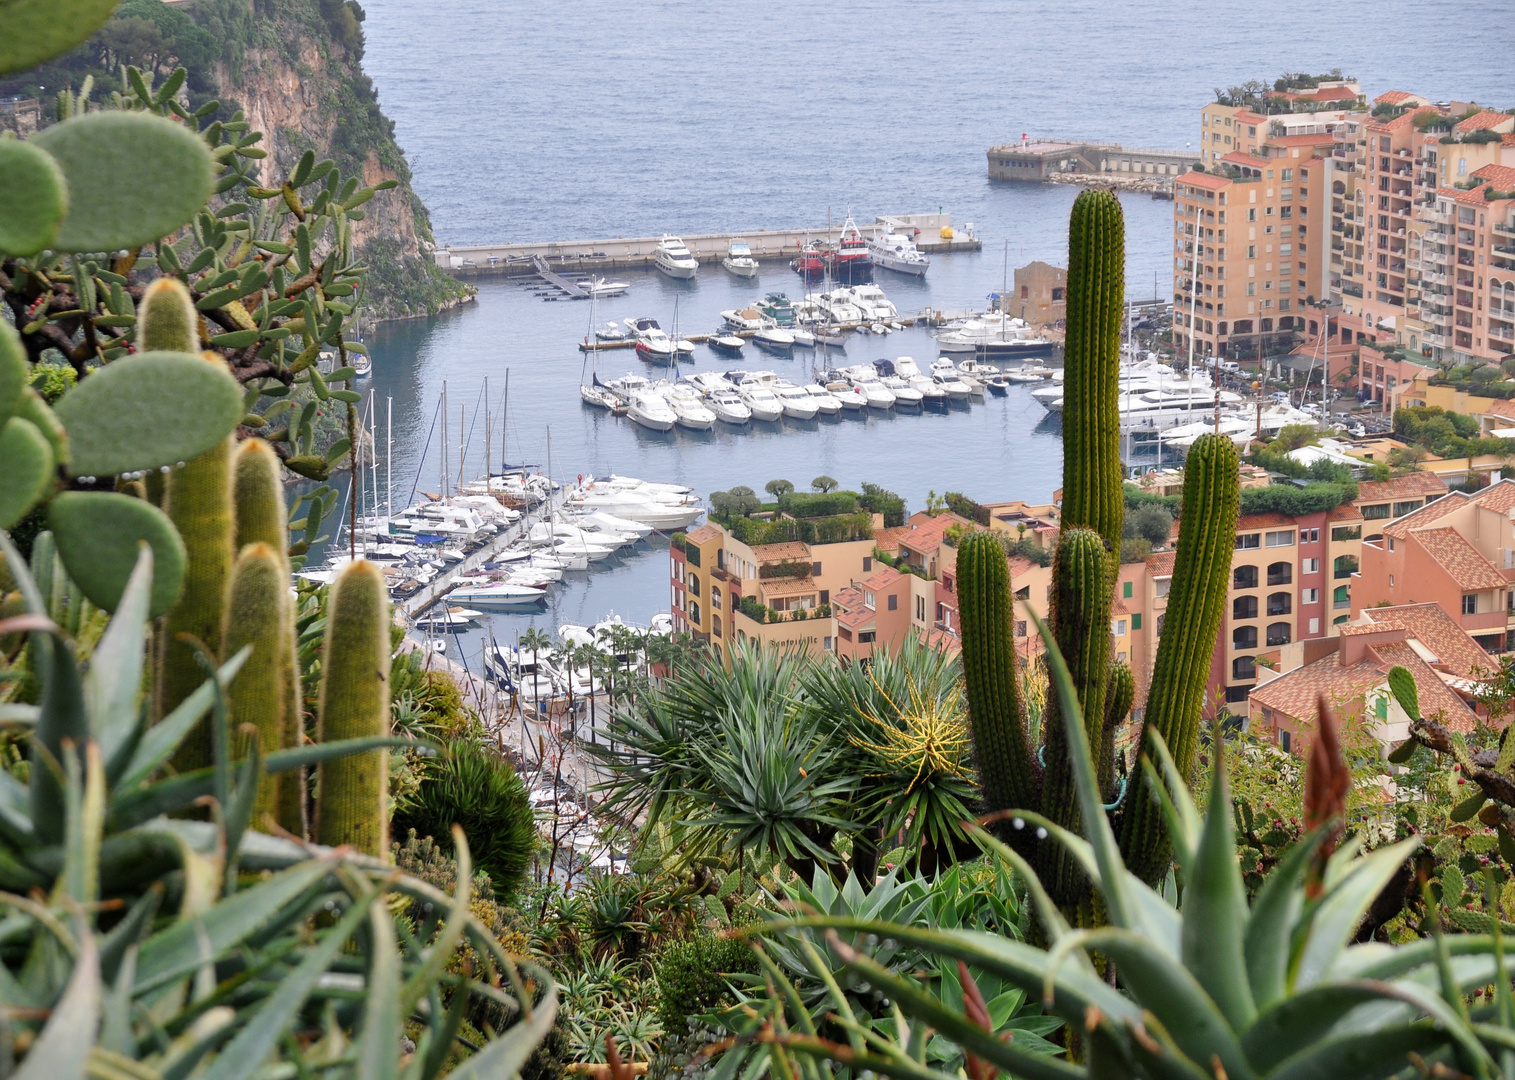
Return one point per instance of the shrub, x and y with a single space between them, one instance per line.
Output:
965 507
691 976
1287 499
785 569
778 488
1150 523
481 792
1135 549
1136 498
828 504
877 500
823 484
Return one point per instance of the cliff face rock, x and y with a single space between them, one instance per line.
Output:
296 73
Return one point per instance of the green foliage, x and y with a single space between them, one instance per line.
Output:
778 488
692 976
823 484
877 500
1137 499
1446 434
965 507
1292 437
37 30
98 533
1314 498
1150 523
1196 603
480 792
29 221
1134 549
1027 548
825 504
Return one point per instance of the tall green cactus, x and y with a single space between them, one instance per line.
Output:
1196 603
258 614
1081 591
352 798
167 319
258 497
1092 492
1120 694
1007 772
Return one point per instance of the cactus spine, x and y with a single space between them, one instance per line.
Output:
1092 493
1006 769
1081 585
257 614
167 319
352 803
1196 602
258 496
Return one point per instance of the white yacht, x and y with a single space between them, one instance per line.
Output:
598 394
827 402
992 336
651 411
739 259
897 252
674 259
689 407
728 406
977 369
611 332
865 378
726 343
874 305
653 342
951 385
771 335
598 286
852 397
764 404
837 307
710 382
747 320
796 401
597 520
803 338
499 594
629 385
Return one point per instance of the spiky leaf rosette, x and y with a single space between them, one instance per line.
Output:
352 803
1081 588
1196 602
1092 493
1008 776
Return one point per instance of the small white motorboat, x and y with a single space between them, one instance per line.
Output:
803 338
851 397
827 402
764 404
728 406
611 332
796 401
726 343
739 259
651 411
689 407
598 286
772 336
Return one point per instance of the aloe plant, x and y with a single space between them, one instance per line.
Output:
157 946
1214 987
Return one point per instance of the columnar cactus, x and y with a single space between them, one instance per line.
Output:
258 614
167 319
1120 693
1007 772
1196 602
258 497
1092 493
1081 586
352 799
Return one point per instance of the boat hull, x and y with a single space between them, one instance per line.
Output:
741 271
679 273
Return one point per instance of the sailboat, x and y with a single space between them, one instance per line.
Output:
595 392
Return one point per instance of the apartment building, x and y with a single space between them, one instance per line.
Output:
1250 243
1458 553
1382 501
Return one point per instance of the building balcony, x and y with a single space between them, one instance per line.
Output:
1352 289
1506 249
1507 227
1434 340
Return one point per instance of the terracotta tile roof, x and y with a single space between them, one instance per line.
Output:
1416 483
1262 521
926 536
1499 407
1437 699
882 579
1375 627
1296 693
1483 121
1499 176
847 599
888 540
1246 116
1426 515
945 640
1499 497
1019 565
1460 559
703 535
1241 157
774 588
855 620
1161 564
1507 139
1119 607
1392 97
1474 197
1402 121
1204 180
1345 512
1439 632
791 551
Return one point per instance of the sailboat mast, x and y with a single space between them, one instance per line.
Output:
389 461
462 445
486 432
443 492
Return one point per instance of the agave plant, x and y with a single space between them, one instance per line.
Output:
156 946
1216 988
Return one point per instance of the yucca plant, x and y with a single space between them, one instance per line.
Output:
155 947
1212 989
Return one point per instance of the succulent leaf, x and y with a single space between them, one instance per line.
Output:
99 536
32 31
36 198
28 469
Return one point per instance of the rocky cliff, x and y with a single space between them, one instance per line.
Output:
294 67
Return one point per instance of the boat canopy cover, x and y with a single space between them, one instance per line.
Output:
884 367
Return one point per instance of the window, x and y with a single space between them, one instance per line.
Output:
1126 590
1117 627
1247 541
1136 620
815 569
865 637
694 584
1244 667
867 563
1283 741
1309 536
1278 633
1314 626
1375 513
1282 538
1020 628
827 645
1244 607
1470 604
1280 573
715 625
1280 603
1244 577
894 602
825 597
1160 587
1346 532
870 601
920 609
1244 637
715 598
1309 596
1340 597
1311 566
694 612
1403 508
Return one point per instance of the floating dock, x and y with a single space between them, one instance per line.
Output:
594 256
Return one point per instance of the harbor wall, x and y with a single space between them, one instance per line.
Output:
586 256
1046 159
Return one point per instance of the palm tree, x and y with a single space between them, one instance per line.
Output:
535 640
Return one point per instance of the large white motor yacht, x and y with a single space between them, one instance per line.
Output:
674 259
796 400
897 252
865 378
728 406
689 407
764 404
653 342
739 259
748 320
651 411
838 307
874 305
827 402
992 336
